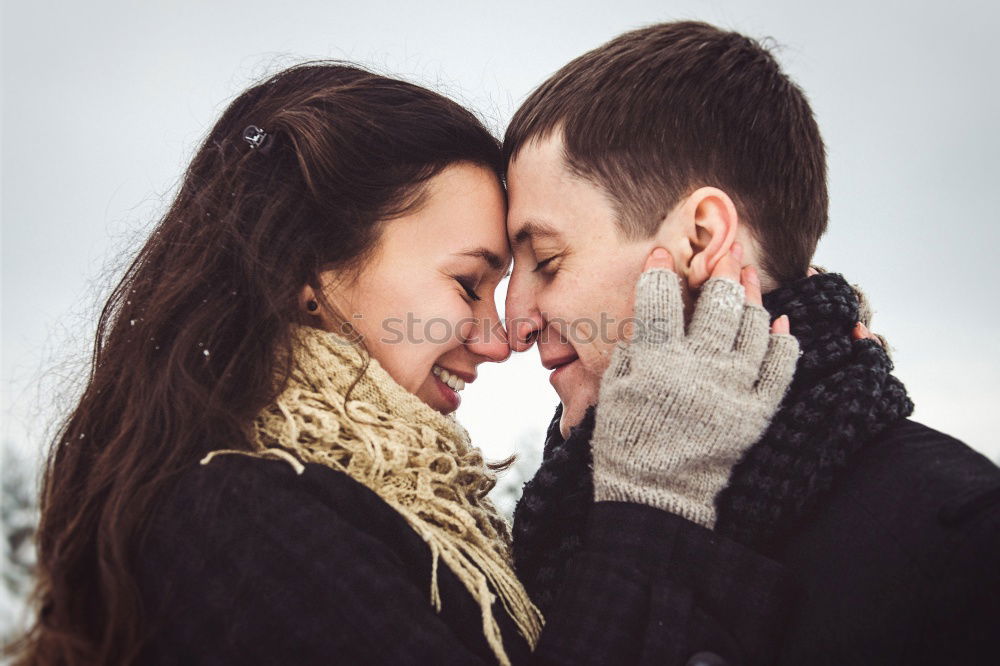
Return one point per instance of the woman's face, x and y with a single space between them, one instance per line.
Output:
424 302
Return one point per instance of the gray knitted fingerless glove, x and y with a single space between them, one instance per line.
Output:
676 410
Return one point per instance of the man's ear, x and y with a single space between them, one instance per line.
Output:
712 223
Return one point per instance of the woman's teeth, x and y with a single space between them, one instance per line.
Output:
456 383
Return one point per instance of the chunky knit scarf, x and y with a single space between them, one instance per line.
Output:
842 396
337 411
550 517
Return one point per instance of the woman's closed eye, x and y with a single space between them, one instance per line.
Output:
469 285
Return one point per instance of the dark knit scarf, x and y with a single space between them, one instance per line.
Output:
550 516
843 395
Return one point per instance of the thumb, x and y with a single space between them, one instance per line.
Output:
659 258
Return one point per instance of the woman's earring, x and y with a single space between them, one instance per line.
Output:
312 306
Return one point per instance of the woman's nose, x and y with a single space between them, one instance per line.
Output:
489 340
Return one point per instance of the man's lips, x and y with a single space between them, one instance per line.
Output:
556 362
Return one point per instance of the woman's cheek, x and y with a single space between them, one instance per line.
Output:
466 327
455 322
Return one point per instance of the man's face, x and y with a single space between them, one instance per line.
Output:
573 280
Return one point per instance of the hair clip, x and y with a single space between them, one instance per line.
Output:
257 138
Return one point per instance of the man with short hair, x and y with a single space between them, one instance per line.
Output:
690 138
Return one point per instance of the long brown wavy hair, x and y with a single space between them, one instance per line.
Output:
186 346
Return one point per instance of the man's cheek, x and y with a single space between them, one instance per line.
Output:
599 359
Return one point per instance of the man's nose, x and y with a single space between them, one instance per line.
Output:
524 321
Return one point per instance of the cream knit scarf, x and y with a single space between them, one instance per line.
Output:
416 459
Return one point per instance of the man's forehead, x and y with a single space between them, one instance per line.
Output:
540 157
536 187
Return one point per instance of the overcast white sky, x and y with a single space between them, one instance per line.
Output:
103 104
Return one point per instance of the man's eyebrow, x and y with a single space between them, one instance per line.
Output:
492 258
533 229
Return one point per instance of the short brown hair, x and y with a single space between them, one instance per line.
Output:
658 112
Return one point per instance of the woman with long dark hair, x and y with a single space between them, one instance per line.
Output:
262 468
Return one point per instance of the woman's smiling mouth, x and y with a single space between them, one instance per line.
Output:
449 383
453 381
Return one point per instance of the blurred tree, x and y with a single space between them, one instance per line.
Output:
18 520
511 482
